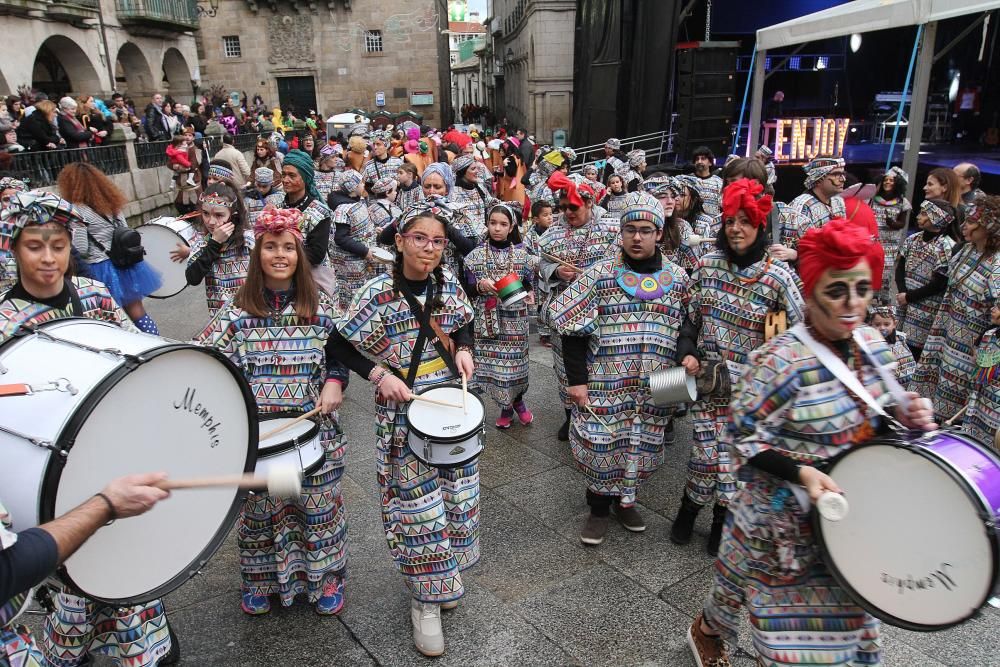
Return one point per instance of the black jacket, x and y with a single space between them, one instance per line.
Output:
36 131
155 125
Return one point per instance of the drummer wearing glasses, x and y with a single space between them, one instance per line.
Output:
426 510
40 226
820 203
791 413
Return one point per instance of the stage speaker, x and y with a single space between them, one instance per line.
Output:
706 99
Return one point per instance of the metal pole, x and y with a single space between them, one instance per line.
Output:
902 98
918 102
743 107
756 102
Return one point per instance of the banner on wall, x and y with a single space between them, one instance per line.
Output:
458 10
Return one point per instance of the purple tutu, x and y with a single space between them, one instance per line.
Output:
127 285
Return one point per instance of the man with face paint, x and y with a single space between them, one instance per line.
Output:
569 247
820 203
380 164
790 414
733 290
620 322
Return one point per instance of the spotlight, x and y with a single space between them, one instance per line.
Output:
953 88
855 42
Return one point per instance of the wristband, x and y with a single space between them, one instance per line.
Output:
464 348
111 507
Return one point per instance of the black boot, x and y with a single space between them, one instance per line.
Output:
715 535
680 532
564 429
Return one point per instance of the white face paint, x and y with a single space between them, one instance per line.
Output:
840 301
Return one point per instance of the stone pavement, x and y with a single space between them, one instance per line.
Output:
537 597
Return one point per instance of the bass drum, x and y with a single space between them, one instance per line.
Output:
918 547
160 237
126 403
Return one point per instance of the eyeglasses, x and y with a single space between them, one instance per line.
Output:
837 175
421 241
642 232
569 207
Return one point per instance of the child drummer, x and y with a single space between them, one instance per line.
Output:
501 350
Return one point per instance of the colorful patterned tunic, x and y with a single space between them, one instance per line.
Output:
229 269
474 203
501 332
686 254
539 190
887 211
729 307
582 247
325 182
17 645
614 204
8 265
408 197
255 202
788 401
983 419
135 635
381 212
710 191
313 213
922 260
805 212
947 369
632 321
906 366
431 515
288 546
352 271
532 239
375 169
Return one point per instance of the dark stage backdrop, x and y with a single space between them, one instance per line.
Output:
624 60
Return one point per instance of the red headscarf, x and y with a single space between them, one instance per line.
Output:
742 195
861 214
558 181
839 244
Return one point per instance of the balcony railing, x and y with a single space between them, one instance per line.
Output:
170 14
41 168
72 10
152 154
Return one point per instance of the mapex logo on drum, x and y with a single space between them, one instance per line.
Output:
207 420
932 580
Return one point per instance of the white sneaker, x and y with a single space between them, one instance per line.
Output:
427 634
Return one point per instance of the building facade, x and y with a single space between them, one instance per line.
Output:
533 63
331 56
96 47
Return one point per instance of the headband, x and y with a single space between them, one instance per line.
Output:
26 209
460 164
220 172
939 216
263 175
643 207
383 185
636 157
434 206
217 199
881 310
817 169
558 182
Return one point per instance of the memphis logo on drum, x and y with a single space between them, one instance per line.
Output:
208 421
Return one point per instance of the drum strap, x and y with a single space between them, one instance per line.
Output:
74 299
428 329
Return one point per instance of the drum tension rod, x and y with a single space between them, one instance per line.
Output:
44 444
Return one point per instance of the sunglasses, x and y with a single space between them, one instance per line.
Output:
569 207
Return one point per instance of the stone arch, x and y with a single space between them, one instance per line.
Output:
132 66
61 68
176 74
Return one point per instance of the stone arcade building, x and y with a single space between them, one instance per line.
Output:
331 55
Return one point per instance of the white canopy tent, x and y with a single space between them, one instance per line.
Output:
866 16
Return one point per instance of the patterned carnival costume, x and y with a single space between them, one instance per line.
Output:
680 253
768 561
298 545
134 636
620 322
8 267
223 266
582 247
501 349
732 295
701 221
256 201
352 239
471 197
921 272
808 211
947 368
377 167
906 366
892 214
983 419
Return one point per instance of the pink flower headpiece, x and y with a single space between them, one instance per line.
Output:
277 220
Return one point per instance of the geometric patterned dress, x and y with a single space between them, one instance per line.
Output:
352 271
947 369
924 255
729 306
632 323
501 343
228 271
889 210
768 561
131 636
288 546
430 515
983 419
905 365
806 212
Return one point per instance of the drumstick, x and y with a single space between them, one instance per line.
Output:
192 214
417 397
465 394
284 481
295 421
561 261
603 423
957 415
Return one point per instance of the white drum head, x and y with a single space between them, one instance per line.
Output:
159 241
913 550
184 412
284 439
442 422
383 255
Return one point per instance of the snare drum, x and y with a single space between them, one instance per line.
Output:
134 403
510 290
298 445
442 436
383 256
159 238
918 548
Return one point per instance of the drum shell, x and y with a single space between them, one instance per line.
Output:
416 438
304 451
160 236
671 386
519 294
40 484
974 472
